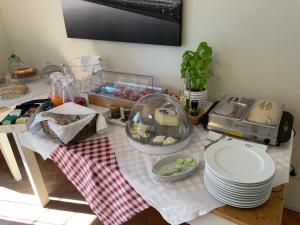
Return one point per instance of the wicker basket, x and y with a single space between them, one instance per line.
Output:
87 131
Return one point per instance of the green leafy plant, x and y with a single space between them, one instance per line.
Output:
195 67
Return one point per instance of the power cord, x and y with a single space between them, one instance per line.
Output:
292 171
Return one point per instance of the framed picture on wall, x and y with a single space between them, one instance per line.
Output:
137 21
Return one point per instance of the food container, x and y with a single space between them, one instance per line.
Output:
233 107
110 88
259 120
19 71
86 131
56 88
158 125
63 89
175 167
265 112
23 121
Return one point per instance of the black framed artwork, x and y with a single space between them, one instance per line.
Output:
137 21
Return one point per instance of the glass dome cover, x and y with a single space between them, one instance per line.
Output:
158 125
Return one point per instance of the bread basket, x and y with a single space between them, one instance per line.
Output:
85 132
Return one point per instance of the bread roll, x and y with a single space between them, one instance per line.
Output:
13 89
23 72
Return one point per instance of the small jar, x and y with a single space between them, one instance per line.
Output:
125 114
115 112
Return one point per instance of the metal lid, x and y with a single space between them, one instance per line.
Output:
265 112
232 106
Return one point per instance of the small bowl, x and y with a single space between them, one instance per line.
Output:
170 159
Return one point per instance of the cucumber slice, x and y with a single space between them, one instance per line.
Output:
163 171
177 166
187 163
188 160
180 161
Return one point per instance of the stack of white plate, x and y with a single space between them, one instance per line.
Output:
238 173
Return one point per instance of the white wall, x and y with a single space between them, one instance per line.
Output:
5 47
256 46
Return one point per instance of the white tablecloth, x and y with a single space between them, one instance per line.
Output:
177 202
38 89
185 200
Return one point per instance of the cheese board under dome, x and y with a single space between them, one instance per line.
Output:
158 125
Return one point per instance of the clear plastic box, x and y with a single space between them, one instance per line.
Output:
108 88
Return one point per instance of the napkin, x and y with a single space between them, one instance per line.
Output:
67 132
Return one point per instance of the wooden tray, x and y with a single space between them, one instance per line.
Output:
10 128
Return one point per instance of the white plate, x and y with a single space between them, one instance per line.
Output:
236 199
240 185
159 149
238 204
235 186
239 191
234 194
239 162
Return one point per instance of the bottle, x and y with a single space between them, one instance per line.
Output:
187 93
182 98
194 106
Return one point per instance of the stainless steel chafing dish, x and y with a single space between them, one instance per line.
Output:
263 121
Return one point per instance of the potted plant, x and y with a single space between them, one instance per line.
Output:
196 72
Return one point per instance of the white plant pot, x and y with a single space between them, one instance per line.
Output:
200 96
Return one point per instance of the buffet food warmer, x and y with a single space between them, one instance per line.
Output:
158 125
259 120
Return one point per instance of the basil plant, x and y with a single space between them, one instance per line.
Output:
195 67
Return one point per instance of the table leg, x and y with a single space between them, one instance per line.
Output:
33 172
9 156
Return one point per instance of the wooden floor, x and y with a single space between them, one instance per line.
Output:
60 188
290 217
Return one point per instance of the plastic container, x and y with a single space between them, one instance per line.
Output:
56 88
158 125
18 70
109 88
183 170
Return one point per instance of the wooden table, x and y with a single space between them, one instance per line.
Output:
268 214
29 161
7 150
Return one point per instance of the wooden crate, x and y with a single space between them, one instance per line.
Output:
108 102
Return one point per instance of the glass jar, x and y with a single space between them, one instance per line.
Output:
14 63
18 70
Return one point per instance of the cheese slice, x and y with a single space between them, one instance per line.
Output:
169 140
166 117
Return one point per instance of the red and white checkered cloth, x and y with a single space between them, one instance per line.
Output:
92 167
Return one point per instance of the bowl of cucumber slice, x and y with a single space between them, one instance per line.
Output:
175 167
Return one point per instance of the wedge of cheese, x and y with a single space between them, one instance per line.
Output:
166 117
